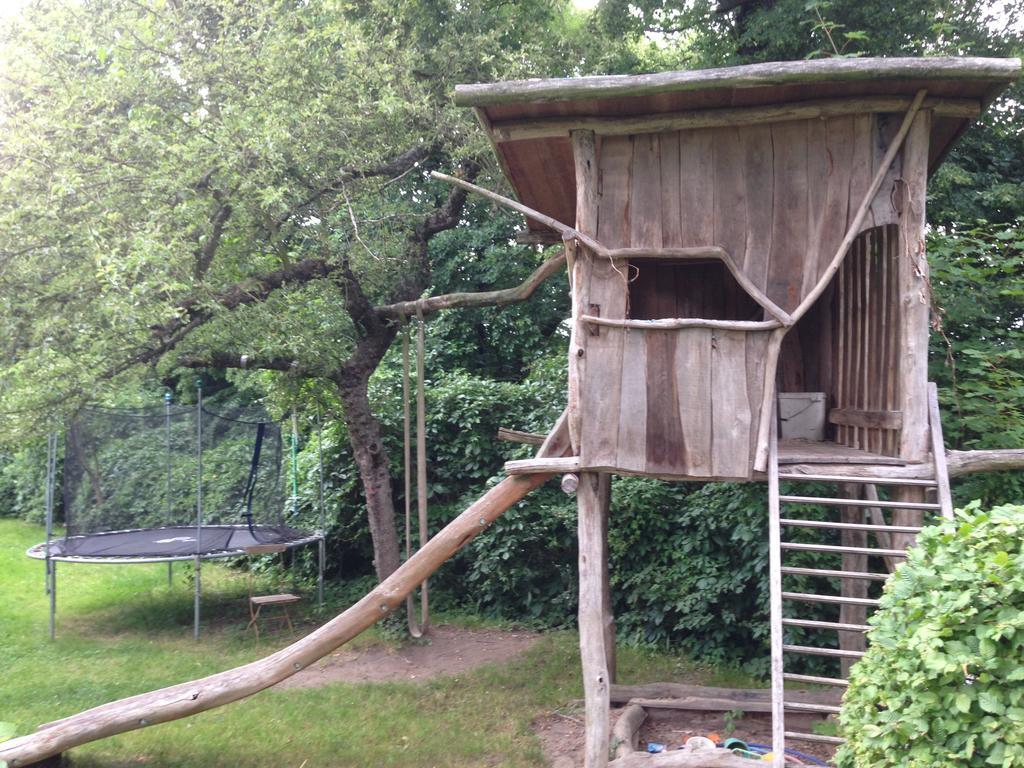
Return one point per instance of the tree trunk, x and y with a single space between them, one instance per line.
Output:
364 435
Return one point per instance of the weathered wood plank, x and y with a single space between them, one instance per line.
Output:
693 390
789 215
730 192
697 207
530 129
914 296
665 453
882 209
818 183
730 406
873 419
758 175
607 295
671 200
631 451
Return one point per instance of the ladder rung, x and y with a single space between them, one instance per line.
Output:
833 502
797 706
812 651
850 526
794 571
843 550
860 480
815 679
814 737
831 599
836 625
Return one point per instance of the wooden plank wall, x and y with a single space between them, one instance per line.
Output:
865 343
690 404
778 198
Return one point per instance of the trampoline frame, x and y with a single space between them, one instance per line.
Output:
43 552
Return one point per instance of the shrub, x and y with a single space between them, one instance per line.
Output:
943 680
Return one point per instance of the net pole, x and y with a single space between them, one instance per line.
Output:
199 508
295 463
51 565
322 545
168 397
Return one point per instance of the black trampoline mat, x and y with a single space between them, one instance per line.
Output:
174 541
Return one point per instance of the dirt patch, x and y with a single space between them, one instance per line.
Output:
561 733
445 651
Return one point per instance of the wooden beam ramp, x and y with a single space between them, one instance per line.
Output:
185 699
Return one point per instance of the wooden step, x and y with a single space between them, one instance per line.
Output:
797 706
815 737
798 547
812 651
834 502
806 597
859 480
815 624
815 679
824 572
849 526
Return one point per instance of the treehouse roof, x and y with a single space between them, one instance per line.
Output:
528 121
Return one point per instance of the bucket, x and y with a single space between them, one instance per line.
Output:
802 416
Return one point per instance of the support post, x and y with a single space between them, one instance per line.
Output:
51 565
607 614
322 546
775 597
168 397
197 597
593 558
858 588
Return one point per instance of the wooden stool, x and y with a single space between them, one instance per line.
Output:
258 602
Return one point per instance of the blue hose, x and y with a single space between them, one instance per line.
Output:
793 752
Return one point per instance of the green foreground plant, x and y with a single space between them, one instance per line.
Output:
943 679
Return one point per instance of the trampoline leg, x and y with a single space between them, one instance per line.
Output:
198 596
51 588
321 553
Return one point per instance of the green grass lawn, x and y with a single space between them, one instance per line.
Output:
122 630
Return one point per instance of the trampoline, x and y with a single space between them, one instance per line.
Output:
173 483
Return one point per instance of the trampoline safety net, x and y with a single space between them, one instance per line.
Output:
138 472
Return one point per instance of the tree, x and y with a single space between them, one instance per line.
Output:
234 183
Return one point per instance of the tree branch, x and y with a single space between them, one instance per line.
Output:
243 362
968 462
497 298
396 166
193 313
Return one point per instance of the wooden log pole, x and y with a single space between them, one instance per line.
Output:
593 557
182 700
626 730
855 563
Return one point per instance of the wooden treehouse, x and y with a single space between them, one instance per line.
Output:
735 236
737 239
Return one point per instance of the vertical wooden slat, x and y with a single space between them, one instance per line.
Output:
730 193
865 325
789 214
696 200
631 451
758 171
757 361
818 183
606 296
885 130
671 204
840 141
693 389
914 299
730 407
665 445
861 165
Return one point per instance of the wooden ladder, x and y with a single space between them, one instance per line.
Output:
860 517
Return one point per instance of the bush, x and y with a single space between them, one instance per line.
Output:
943 680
